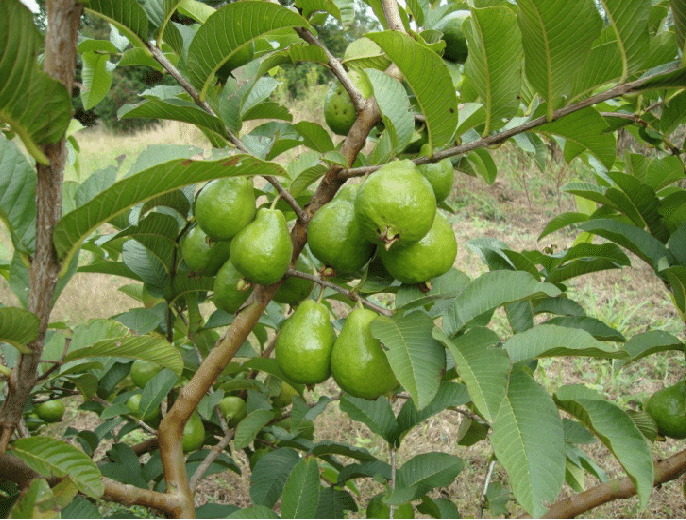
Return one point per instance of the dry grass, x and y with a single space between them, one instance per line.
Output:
630 299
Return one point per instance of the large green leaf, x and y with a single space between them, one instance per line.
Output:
56 458
428 76
550 59
146 185
301 490
96 78
36 501
604 65
148 348
616 430
394 105
377 415
491 290
126 15
248 428
629 19
594 327
416 358
494 62
293 54
270 474
483 368
18 327
651 342
679 12
158 233
34 105
17 196
528 439
427 471
548 340
449 394
676 278
227 29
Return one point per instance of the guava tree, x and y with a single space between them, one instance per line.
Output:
535 71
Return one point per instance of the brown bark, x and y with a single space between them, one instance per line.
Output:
61 38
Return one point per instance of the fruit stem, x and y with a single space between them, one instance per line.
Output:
275 201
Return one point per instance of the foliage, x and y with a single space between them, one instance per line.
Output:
436 338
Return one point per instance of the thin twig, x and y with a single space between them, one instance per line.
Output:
140 422
211 457
394 462
57 364
349 294
484 488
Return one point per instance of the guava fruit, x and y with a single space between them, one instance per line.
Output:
225 206
358 362
339 111
421 261
262 250
193 434
202 255
335 237
439 174
234 409
395 205
303 348
286 395
293 289
152 418
51 410
667 407
377 509
454 37
142 371
227 296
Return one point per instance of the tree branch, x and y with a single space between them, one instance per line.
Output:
131 495
211 457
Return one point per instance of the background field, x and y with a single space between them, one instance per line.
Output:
514 209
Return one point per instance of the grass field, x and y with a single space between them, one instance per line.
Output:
514 209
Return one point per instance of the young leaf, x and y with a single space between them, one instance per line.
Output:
483 368
429 79
56 458
616 430
301 490
415 357
494 61
528 439
377 415
270 474
17 196
225 31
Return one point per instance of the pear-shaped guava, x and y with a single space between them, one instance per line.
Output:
358 363
395 204
262 250
303 348
421 261
440 175
203 255
667 407
227 296
293 289
225 206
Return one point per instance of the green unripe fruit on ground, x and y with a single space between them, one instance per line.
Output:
335 236
432 256
153 417
226 294
202 255
262 250
667 407
395 205
193 434
234 409
50 411
452 27
303 348
377 509
440 175
143 371
286 395
225 206
293 289
358 362
339 111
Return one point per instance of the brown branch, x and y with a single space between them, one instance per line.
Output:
665 470
131 495
216 450
342 290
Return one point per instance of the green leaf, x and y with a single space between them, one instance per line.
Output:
629 19
248 428
416 358
494 61
438 508
310 6
616 430
315 136
528 439
651 342
594 327
603 66
676 278
483 367
679 13
429 79
364 53
548 340
301 491
586 129
292 55
449 394
394 105
158 233
427 471
324 448
377 415
269 476
96 78
148 348
226 30
365 469
256 512
35 106
156 390
491 290
37 501
17 196
126 15
547 29
334 502
56 458
562 221
18 327
443 287
76 226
